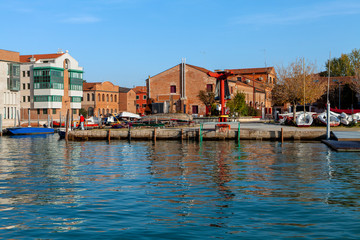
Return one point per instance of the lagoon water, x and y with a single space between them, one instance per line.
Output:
50 189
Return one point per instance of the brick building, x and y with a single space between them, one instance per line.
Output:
141 99
9 86
127 100
179 87
50 85
261 81
100 98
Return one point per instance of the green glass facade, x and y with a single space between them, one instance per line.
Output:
75 99
13 83
47 98
48 78
75 80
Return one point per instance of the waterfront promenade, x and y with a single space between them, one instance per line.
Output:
248 131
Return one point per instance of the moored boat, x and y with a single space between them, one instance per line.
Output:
334 119
304 119
29 130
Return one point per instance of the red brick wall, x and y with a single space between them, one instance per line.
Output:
9 56
196 80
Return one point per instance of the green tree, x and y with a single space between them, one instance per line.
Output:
296 84
237 105
208 98
83 112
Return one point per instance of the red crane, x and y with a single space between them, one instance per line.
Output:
221 76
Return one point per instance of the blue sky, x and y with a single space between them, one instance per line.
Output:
125 41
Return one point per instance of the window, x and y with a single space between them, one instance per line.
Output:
107 97
93 97
239 79
74 111
44 111
23 73
28 73
172 89
115 98
38 111
24 85
195 109
28 85
99 98
24 99
232 90
209 87
54 111
111 98
137 106
144 97
88 97
103 97
137 97
28 98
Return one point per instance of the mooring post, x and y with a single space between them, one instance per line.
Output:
60 120
200 132
154 134
238 133
52 122
282 135
38 121
15 120
109 136
1 125
18 114
29 124
182 134
48 121
129 133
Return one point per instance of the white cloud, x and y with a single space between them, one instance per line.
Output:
301 14
81 20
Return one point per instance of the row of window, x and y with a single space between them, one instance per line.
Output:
138 106
47 98
24 86
9 112
24 73
138 97
24 98
109 98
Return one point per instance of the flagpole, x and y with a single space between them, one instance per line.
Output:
328 105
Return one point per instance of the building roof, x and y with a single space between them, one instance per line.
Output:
139 89
89 86
124 89
26 58
199 68
251 70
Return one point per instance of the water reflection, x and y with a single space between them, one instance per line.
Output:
214 188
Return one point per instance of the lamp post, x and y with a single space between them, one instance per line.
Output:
328 106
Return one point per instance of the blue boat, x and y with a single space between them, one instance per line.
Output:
29 130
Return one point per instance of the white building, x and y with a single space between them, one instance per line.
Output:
50 85
9 86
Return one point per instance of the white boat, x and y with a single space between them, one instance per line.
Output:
304 119
334 119
128 115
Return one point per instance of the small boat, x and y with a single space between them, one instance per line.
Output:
90 122
304 120
334 119
29 130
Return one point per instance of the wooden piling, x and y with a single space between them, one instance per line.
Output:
182 134
109 135
282 135
1 130
129 133
154 135
29 120
38 121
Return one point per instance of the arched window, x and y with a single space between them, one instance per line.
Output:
111 97
103 97
99 98
88 97
93 96
115 98
107 97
